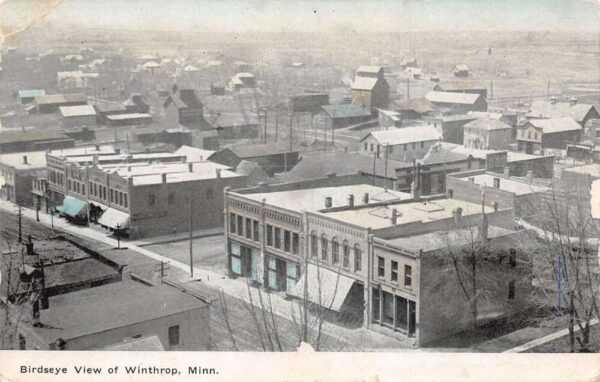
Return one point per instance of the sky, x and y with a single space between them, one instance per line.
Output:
312 15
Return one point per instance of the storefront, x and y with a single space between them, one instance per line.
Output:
244 260
394 312
282 275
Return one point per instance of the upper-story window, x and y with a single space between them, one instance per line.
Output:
380 266
335 251
394 271
407 276
171 198
324 245
209 193
346 255
151 199
314 244
357 258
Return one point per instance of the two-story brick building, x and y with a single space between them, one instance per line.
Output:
360 251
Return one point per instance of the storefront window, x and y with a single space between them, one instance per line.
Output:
376 304
388 308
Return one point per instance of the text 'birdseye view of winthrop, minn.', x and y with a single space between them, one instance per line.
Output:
325 182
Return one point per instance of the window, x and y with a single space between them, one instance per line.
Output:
248 228
209 193
120 198
380 266
529 135
112 195
388 308
314 244
232 227
295 243
371 147
151 199
394 271
277 238
324 245
407 276
174 335
534 135
171 198
469 163
240 225
414 145
511 290
82 189
269 235
255 230
287 238
405 147
450 194
346 255
357 258
69 185
366 147
335 251
125 200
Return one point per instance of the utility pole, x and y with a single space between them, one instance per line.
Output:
118 233
191 228
20 216
374 163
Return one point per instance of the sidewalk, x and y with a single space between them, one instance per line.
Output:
234 288
180 236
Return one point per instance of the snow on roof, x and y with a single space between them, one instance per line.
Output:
77 111
364 83
548 109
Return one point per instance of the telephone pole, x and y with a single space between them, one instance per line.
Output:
20 216
191 227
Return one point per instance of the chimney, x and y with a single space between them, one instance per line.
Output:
218 171
328 202
457 214
25 159
529 176
97 147
190 167
164 177
366 198
552 100
394 217
496 182
572 101
351 200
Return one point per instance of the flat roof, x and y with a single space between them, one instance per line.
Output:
87 150
60 98
517 187
451 97
176 177
444 239
426 211
30 93
35 160
346 110
590 169
313 199
110 306
404 135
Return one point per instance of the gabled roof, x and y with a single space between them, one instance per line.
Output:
405 135
450 97
547 109
364 83
346 110
77 111
487 124
418 105
555 125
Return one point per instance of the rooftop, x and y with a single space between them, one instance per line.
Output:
405 135
30 93
346 110
77 111
60 98
451 97
590 169
422 211
194 154
445 239
364 83
313 199
121 117
84 151
263 149
487 124
35 160
320 165
555 125
418 105
551 109
518 187
17 136
108 307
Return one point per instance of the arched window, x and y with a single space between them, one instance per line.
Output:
357 258
335 251
324 246
346 255
314 244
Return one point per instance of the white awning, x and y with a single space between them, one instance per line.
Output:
325 287
112 217
103 207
